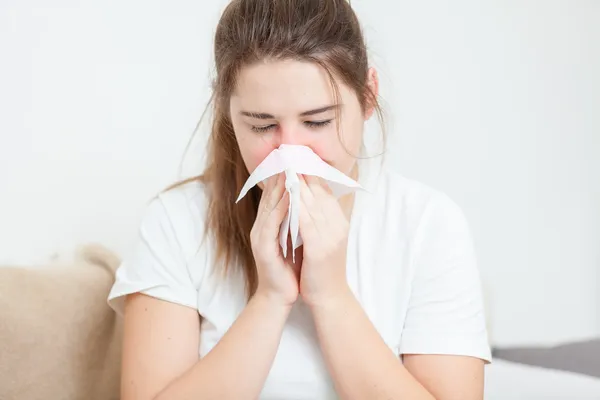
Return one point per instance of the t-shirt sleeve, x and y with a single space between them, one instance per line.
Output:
157 265
446 310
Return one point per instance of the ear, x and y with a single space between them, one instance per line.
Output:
373 86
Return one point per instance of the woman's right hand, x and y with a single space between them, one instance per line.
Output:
278 278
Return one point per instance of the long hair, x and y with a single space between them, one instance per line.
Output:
325 32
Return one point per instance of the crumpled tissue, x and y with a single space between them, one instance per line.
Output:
293 160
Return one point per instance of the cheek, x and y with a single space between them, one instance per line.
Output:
254 152
326 151
335 155
341 154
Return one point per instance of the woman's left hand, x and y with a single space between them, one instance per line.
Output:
324 229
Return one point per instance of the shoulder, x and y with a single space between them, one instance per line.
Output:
434 264
178 212
414 203
187 200
437 233
168 241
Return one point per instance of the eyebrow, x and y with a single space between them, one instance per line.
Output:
260 115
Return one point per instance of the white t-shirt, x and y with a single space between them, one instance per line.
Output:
410 263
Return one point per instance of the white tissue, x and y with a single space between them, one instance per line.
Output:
294 160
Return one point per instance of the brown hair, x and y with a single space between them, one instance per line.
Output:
326 32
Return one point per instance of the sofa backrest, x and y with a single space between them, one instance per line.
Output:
58 337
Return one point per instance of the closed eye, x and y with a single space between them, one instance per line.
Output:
261 129
317 124
310 124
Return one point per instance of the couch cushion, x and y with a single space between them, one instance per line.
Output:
582 357
58 337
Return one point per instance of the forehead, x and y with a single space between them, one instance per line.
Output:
282 87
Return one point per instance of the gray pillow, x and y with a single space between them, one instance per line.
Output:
580 357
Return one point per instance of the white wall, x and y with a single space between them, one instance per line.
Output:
497 104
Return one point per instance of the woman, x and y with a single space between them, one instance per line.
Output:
383 300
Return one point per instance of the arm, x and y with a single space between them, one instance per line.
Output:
443 337
160 356
448 377
361 364
162 325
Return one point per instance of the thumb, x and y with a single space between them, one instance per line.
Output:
307 223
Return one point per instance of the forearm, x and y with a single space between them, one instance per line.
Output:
361 364
236 368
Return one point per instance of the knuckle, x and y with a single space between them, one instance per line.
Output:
268 206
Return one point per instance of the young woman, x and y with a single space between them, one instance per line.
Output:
384 299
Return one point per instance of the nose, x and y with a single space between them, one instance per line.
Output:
287 134
290 134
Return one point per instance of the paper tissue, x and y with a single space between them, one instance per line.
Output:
293 160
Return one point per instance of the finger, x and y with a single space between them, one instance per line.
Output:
273 196
318 186
326 186
315 196
269 197
271 183
276 192
265 189
306 195
307 223
317 201
274 218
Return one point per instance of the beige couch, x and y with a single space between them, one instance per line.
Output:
58 338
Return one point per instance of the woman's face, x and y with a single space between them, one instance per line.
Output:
292 102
